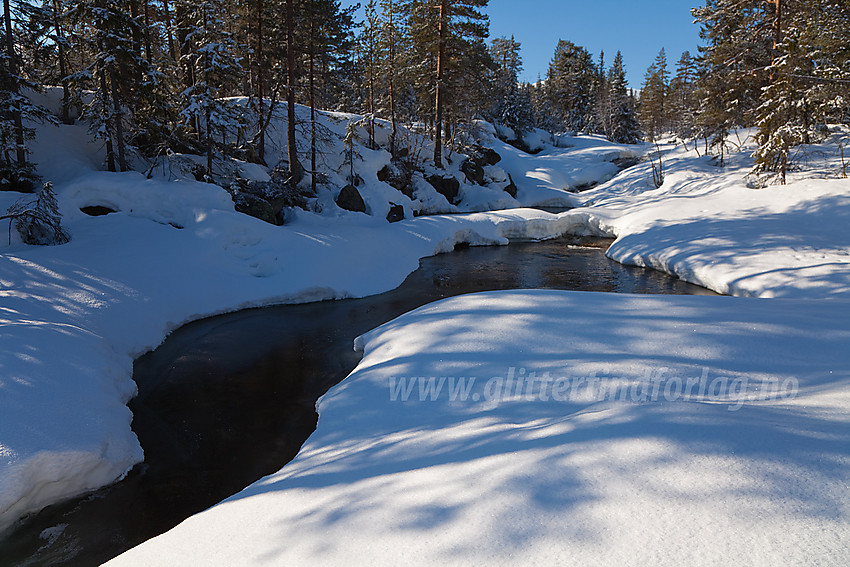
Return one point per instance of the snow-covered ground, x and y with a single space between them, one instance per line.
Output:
602 429
514 481
74 317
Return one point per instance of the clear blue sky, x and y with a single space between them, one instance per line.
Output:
638 28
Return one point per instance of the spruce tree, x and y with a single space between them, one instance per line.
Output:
808 79
622 120
569 85
681 100
512 102
653 97
736 53
16 109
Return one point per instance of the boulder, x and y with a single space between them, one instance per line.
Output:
257 207
486 156
396 213
351 200
448 187
398 176
511 188
473 171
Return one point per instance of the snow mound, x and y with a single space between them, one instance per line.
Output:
605 429
706 224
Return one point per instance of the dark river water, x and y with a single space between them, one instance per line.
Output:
227 400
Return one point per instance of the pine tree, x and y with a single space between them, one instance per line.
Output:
57 21
449 56
208 55
117 74
392 41
370 54
327 37
296 171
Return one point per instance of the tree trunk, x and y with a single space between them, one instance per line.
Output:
104 100
172 52
261 126
777 35
20 149
295 170
438 115
209 140
118 117
392 79
63 67
147 32
312 109
137 40
372 89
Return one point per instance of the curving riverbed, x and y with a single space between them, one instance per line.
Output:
227 400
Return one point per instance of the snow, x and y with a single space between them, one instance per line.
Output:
514 481
751 472
549 178
707 225
75 316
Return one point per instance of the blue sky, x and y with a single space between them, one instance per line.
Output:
638 28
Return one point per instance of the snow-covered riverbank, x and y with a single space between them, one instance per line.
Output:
602 429
75 316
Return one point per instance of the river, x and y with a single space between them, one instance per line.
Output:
227 400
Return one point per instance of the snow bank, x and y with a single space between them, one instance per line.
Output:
601 429
551 177
74 317
706 225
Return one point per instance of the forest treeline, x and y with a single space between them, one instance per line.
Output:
156 76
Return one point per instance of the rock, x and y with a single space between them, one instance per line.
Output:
350 200
511 188
396 213
448 187
625 162
473 171
257 207
486 156
398 176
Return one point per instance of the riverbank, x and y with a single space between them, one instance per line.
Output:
543 427
547 427
75 316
